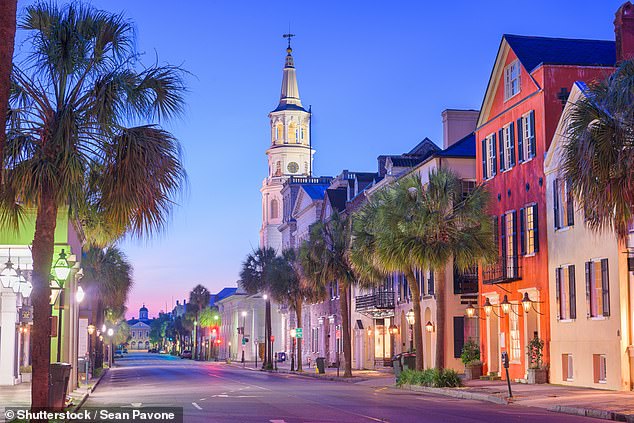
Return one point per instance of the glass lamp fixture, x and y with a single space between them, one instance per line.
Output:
80 294
91 329
410 317
506 306
25 288
110 332
265 297
56 289
61 268
8 275
293 333
470 310
526 303
103 328
488 307
429 327
393 329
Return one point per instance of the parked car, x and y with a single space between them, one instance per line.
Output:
118 353
186 354
162 352
152 350
125 350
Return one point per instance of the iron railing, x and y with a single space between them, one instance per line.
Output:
507 269
380 300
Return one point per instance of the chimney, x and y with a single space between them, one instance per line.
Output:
624 32
457 124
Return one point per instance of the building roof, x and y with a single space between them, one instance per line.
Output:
337 198
315 192
224 293
466 147
533 51
289 95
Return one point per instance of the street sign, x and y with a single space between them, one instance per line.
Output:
298 333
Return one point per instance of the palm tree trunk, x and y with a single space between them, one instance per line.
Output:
7 39
298 313
345 336
43 248
418 327
440 318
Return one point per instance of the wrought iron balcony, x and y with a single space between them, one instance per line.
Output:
507 269
465 282
378 304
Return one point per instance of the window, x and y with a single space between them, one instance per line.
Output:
314 340
511 80
507 147
597 288
514 334
599 364
467 187
278 169
489 162
567 368
565 292
529 225
563 204
458 336
526 137
274 209
508 233
430 283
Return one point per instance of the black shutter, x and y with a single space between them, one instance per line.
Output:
503 241
588 287
558 291
570 206
512 135
572 291
502 148
514 216
556 203
484 159
494 149
430 283
522 232
535 228
520 141
458 336
533 139
605 284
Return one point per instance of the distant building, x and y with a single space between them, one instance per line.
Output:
140 330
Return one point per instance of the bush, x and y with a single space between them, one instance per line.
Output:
26 369
443 378
97 371
470 353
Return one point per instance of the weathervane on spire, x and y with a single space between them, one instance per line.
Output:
289 36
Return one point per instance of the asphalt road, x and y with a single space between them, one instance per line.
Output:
216 392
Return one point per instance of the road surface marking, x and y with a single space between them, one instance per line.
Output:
202 399
197 406
277 421
135 404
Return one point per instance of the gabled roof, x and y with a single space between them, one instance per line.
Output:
337 198
315 192
423 148
224 293
466 147
534 51
402 161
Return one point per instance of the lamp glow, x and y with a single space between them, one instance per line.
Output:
506 306
110 332
61 268
429 327
80 294
470 310
488 307
526 303
410 317
9 275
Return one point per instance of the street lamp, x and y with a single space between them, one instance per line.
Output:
293 335
244 323
61 270
470 310
80 294
429 327
8 275
526 303
506 306
411 319
488 307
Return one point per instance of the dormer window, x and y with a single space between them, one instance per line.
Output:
511 80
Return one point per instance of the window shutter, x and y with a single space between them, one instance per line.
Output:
558 291
533 139
572 291
512 135
520 141
588 287
494 150
570 207
605 284
430 283
484 158
502 148
556 203
514 268
503 235
458 336
522 232
535 227
495 229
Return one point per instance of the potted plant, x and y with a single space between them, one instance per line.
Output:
537 372
26 373
471 359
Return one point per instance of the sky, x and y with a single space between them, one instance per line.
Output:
377 75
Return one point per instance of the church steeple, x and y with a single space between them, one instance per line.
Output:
289 97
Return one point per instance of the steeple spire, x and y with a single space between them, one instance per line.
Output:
289 97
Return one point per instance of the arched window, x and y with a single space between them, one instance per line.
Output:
306 168
274 209
278 169
292 133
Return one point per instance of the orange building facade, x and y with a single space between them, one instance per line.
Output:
525 96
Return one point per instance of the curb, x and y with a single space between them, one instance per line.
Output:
457 393
589 412
354 379
90 390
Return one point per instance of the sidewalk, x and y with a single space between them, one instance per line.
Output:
609 405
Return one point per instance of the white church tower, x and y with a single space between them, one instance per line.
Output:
289 154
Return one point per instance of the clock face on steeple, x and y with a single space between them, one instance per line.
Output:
292 167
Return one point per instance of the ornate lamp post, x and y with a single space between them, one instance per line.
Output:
61 270
293 335
410 320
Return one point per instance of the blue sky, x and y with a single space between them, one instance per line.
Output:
377 74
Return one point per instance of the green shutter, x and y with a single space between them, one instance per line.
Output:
502 148
520 141
512 135
572 291
557 291
605 285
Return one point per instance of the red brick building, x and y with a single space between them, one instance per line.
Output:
524 99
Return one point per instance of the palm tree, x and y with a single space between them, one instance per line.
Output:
325 259
598 152
288 288
107 280
408 227
198 299
8 9
72 144
255 277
